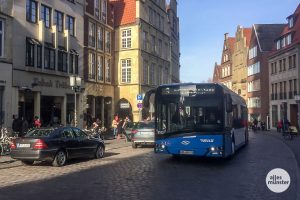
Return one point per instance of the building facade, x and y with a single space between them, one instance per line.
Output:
143 50
239 61
5 64
225 69
284 71
47 50
98 60
173 22
261 44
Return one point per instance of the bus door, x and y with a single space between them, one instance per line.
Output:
239 124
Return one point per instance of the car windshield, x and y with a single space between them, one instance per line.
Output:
144 125
39 133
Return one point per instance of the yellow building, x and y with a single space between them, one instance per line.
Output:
142 51
239 61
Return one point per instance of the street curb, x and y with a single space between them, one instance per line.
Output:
297 164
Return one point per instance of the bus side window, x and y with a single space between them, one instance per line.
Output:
236 123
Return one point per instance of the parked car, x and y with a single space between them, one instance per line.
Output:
142 133
56 145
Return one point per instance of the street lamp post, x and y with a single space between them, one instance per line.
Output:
75 83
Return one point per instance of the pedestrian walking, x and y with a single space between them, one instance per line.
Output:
120 128
15 125
115 125
279 126
125 125
37 122
24 127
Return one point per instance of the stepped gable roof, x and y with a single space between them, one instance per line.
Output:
231 41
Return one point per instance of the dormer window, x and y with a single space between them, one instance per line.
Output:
291 22
283 42
289 39
278 44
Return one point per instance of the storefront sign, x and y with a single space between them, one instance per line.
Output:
124 105
49 83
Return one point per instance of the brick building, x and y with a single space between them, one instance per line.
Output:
223 72
261 44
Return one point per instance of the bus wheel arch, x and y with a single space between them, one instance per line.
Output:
232 144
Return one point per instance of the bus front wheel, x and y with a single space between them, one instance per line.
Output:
232 148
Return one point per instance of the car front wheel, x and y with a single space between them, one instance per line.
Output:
99 152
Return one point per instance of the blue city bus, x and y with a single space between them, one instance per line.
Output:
206 119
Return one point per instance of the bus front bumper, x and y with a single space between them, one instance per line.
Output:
205 152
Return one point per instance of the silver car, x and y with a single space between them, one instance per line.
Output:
142 133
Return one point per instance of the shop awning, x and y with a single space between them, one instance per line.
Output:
33 41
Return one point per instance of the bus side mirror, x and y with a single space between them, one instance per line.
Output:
228 103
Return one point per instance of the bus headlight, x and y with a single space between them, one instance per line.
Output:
212 148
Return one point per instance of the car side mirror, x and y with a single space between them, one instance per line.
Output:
228 100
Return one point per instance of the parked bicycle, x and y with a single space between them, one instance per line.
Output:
95 133
290 133
5 141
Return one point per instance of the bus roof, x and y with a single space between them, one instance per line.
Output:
235 97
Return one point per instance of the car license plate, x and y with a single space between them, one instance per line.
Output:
183 152
23 145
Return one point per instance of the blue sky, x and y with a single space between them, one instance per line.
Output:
204 22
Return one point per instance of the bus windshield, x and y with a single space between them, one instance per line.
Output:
183 112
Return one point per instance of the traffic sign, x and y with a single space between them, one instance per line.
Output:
140 105
139 97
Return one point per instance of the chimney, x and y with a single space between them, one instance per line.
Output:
226 36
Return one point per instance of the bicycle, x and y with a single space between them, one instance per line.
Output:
5 141
287 135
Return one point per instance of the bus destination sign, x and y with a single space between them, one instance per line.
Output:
189 90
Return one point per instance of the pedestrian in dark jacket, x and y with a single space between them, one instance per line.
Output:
24 127
14 124
120 128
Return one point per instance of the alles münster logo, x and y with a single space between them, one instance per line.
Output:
278 180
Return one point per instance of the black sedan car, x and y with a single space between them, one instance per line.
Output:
56 145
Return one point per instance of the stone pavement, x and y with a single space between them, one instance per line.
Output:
128 173
8 162
294 144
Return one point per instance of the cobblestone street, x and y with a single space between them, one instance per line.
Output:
127 173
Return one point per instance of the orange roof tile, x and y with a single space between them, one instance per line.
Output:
125 11
247 34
